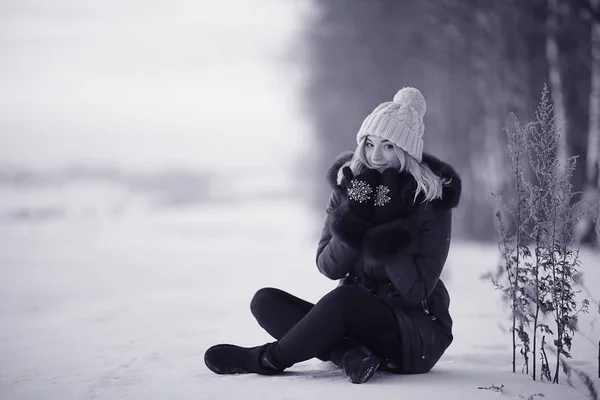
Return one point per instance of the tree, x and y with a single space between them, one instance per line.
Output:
475 62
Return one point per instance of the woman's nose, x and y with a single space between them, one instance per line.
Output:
377 153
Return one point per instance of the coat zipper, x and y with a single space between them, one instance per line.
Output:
426 310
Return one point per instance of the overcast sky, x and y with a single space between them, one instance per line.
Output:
147 84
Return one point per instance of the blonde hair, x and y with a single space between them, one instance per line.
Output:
428 182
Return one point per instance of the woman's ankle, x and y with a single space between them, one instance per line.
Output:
265 361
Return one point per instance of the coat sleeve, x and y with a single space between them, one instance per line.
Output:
335 257
414 274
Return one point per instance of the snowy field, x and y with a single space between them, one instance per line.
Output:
111 297
113 289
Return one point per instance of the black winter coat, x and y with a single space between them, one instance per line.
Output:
399 261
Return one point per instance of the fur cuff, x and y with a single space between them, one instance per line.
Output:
386 240
348 227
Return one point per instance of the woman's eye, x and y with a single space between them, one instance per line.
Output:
389 146
369 144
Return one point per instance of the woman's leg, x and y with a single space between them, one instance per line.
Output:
347 311
277 312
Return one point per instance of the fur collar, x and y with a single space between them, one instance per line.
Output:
450 193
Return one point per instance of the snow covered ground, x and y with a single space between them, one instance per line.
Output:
109 291
113 298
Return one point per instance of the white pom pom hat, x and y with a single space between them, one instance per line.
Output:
400 121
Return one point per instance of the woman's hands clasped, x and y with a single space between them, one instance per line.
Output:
378 198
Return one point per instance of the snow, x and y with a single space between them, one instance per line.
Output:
109 293
105 305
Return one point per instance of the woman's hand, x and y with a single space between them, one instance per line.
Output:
362 190
394 196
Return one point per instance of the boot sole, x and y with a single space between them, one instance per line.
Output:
365 371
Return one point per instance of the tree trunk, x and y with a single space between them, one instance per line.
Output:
593 156
593 143
556 85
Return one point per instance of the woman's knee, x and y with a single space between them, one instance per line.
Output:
344 297
261 300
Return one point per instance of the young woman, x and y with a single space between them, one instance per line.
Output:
386 237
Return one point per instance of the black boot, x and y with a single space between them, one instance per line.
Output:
230 359
336 355
360 364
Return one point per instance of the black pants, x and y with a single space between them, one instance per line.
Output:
304 330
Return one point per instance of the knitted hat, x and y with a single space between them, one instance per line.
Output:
400 121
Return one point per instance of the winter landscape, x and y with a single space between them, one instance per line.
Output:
154 167
118 298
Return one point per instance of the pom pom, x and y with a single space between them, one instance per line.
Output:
410 96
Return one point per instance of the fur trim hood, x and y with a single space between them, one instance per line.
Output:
450 192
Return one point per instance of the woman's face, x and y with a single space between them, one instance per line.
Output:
381 153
